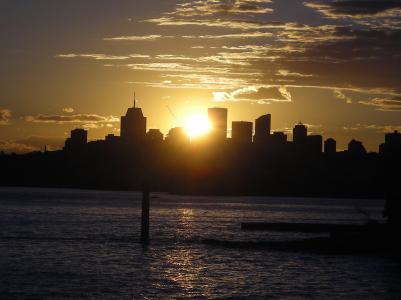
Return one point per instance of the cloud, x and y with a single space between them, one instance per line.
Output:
68 110
197 81
340 95
286 73
5 116
243 24
150 37
373 127
241 35
102 56
39 142
384 104
211 7
13 147
257 94
78 118
357 8
31 143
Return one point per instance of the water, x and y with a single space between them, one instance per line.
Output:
71 244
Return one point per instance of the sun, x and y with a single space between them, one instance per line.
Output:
197 125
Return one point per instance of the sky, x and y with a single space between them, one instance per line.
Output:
334 65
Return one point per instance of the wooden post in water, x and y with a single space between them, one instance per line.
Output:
145 215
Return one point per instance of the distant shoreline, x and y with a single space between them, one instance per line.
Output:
300 196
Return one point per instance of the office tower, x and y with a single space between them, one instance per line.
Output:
218 120
314 144
392 143
133 125
154 135
299 133
77 139
262 128
330 146
242 132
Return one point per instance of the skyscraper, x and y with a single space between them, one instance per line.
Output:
79 138
133 125
262 128
218 119
392 144
330 146
299 133
242 132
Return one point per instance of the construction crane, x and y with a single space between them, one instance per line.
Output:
172 113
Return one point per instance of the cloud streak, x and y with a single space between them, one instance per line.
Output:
77 118
5 116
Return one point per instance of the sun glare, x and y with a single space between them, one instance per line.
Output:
197 125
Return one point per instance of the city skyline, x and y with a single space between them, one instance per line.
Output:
214 124
334 65
214 128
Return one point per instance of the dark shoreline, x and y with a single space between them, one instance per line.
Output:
313 196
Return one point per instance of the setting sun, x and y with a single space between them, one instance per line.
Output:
197 125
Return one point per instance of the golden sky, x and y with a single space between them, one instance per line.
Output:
334 65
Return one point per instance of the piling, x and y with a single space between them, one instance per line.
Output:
145 216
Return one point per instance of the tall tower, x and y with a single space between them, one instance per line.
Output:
218 119
262 128
299 132
330 146
242 132
133 124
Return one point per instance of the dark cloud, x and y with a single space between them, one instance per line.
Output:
355 8
352 57
78 118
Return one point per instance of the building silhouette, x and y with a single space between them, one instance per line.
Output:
278 141
78 138
314 144
111 138
242 132
262 128
330 146
218 119
154 135
356 148
299 133
133 125
177 164
177 136
392 144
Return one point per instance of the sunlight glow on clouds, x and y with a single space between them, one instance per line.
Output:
5 116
